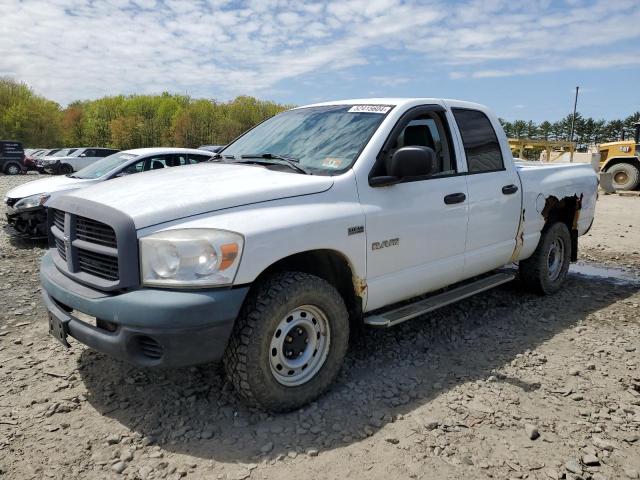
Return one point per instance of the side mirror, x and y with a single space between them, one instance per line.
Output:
406 162
82 155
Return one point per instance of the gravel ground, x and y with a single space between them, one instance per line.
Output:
503 385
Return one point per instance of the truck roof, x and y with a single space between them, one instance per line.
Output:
399 101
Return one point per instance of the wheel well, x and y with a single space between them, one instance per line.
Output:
614 161
329 265
567 211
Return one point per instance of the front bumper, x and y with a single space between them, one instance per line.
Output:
30 223
146 327
50 167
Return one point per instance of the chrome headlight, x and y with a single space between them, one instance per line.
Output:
191 257
32 201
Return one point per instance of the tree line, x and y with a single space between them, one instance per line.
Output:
587 131
178 120
125 122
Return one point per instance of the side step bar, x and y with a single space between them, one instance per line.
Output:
412 310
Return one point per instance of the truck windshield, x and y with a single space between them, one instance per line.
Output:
325 140
104 166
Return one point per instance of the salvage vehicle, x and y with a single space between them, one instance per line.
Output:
30 157
73 160
26 204
317 221
11 157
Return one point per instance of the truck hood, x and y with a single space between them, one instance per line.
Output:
172 193
48 185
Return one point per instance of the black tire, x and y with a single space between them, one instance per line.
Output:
537 272
13 168
247 359
624 176
65 169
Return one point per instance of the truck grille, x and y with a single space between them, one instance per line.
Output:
98 264
82 248
93 231
58 220
61 250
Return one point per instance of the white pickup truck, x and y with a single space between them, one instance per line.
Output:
319 219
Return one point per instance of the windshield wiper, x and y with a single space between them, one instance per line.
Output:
292 162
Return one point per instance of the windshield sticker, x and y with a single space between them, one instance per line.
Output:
369 109
330 162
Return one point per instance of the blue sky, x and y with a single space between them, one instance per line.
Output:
522 58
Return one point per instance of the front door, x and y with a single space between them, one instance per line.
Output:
416 241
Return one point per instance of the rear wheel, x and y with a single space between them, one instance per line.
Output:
288 342
12 169
624 176
544 272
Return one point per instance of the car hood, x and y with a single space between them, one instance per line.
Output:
172 193
48 185
55 159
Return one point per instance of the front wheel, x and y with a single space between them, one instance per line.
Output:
288 342
544 272
65 169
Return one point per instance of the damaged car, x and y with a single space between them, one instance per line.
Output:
318 222
26 204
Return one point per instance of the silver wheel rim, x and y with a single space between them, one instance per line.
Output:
555 259
299 345
621 178
12 170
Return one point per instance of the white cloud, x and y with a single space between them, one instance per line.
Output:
70 49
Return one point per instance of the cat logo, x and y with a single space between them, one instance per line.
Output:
385 243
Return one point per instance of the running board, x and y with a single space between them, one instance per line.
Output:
407 312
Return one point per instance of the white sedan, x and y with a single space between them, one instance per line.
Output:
26 204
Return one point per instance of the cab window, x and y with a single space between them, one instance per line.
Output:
424 129
480 142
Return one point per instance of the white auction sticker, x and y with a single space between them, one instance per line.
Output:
369 109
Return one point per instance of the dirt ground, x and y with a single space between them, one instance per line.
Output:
503 385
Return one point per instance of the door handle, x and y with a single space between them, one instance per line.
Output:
455 198
509 189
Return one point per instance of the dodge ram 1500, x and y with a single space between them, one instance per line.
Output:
319 219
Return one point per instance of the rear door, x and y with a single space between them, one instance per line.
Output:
494 192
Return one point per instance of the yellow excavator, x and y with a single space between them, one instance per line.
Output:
622 160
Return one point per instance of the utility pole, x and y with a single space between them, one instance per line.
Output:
573 124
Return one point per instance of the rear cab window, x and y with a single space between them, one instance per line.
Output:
481 145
